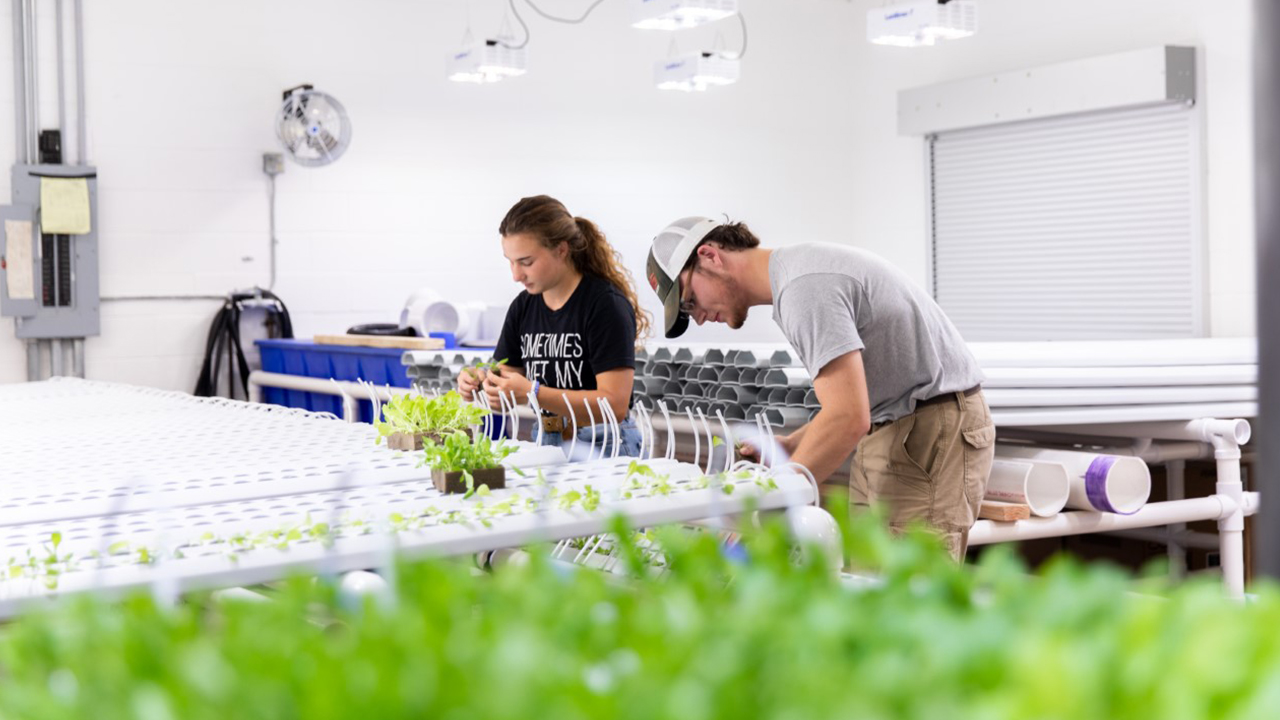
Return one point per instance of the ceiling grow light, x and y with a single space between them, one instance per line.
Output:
696 72
486 62
922 22
679 14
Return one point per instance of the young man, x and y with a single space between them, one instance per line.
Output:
895 380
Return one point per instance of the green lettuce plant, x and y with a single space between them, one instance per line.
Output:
420 415
459 452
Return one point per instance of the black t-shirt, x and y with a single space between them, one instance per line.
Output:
594 332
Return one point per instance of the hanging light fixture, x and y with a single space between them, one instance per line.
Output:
696 72
922 22
485 62
490 61
679 14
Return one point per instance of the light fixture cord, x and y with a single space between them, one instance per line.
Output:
568 21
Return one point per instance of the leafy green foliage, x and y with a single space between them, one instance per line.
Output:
714 637
490 366
459 452
418 415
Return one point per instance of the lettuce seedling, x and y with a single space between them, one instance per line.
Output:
419 415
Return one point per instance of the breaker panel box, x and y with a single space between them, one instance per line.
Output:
49 252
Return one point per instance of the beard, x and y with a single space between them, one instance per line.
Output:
735 316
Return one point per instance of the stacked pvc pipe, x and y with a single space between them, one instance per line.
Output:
1041 384
1028 384
433 371
742 383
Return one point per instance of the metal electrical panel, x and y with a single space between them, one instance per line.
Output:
48 282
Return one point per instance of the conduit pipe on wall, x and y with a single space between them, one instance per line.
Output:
1108 483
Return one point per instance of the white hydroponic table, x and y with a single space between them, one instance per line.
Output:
153 488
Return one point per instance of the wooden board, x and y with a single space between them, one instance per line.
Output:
1003 511
382 341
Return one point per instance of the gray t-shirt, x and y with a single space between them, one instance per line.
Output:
830 300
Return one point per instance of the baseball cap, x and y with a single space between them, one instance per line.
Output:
671 249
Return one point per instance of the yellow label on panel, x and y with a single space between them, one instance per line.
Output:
64 206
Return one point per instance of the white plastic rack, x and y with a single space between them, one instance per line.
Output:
147 488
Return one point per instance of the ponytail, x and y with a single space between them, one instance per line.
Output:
598 257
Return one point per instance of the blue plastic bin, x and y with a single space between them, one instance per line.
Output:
380 366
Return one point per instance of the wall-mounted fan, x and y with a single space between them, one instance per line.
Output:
312 126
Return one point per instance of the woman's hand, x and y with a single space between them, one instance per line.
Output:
506 381
469 380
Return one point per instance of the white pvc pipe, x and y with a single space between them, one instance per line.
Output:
1109 483
1112 377
1075 396
1042 486
1231 527
1204 429
1166 452
1212 507
349 391
1117 353
1075 417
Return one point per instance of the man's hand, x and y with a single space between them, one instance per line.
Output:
504 381
469 380
787 443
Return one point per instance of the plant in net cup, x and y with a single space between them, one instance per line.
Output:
456 460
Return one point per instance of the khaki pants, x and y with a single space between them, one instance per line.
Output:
930 466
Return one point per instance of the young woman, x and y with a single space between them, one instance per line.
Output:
569 338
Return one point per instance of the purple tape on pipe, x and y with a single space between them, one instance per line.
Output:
1095 482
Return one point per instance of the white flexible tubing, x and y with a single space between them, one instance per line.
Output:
611 427
537 416
486 425
573 420
697 439
646 431
773 443
591 418
515 417
670 450
711 443
728 438
760 435
502 404
817 493
617 428
639 411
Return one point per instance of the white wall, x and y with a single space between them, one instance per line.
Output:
181 97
